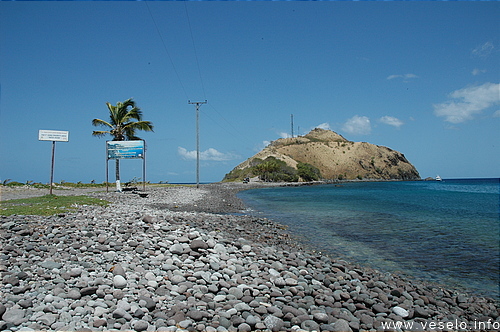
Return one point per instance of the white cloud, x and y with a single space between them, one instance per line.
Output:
405 77
483 50
496 114
209 154
467 102
324 125
476 71
261 146
391 121
357 125
284 135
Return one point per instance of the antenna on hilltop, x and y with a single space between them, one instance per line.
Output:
291 116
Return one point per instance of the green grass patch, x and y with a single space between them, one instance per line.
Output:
47 205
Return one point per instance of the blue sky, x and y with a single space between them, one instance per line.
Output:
419 77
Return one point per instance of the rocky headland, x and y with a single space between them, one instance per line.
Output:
335 157
177 260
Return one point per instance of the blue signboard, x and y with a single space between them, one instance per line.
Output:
125 149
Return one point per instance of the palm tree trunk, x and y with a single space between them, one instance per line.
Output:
118 185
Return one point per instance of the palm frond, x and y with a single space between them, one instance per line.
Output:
140 125
100 133
99 122
135 113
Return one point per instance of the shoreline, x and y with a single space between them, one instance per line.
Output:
187 261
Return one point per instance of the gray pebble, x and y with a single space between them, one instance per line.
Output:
14 316
119 281
141 325
341 325
274 323
177 249
400 312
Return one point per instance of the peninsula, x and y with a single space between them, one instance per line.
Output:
324 155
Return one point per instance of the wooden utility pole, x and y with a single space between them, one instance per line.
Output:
197 103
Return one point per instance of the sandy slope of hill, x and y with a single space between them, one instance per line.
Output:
337 157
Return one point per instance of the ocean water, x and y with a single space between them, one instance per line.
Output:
443 232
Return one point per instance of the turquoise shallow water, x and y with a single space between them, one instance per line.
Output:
445 232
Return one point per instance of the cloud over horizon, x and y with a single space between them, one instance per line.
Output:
477 71
324 125
405 77
391 121
209 154
284 135
483 50
467 102
357 125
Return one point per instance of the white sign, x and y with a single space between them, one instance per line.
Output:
53 135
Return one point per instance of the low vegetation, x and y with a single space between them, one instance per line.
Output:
47 205
308 172
275 170
79 184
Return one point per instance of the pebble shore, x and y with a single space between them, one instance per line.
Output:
178 260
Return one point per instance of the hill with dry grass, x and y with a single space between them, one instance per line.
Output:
334 156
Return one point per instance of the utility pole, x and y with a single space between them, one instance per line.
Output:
197 103
292 123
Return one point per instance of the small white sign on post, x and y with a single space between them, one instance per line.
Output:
53 135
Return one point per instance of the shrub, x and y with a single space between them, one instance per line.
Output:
274 170
15 184
308 172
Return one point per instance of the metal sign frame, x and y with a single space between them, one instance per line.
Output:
126 150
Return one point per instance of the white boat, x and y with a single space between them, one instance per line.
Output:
438 178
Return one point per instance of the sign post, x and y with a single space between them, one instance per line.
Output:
126 150
54 136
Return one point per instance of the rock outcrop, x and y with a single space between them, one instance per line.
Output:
335 157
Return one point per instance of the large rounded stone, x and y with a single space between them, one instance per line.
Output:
421 312
119 281
310 325
244 327
320 317
14 316
177 279
177 249
75 272
400 312
74 294
341 325
198 244
274 323
118 270
141 325
195 315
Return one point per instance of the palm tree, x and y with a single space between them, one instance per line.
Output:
125 120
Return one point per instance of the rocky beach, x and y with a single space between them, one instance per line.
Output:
189 259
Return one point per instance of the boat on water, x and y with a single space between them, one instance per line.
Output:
438 178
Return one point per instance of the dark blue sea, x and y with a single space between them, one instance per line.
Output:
442 232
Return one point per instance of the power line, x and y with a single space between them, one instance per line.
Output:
237 131
166 50
194 48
